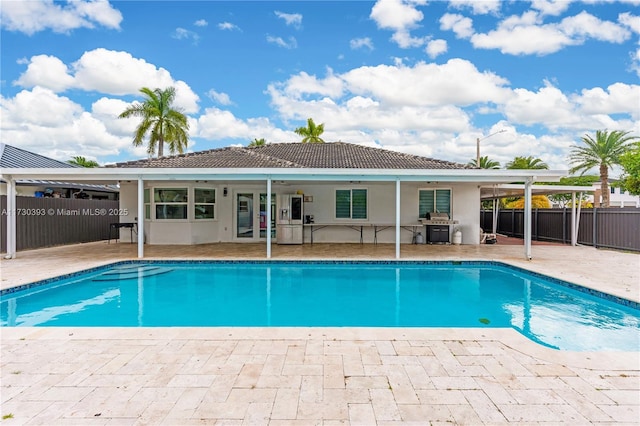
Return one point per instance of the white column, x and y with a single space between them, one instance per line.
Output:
573 218
269 218
397 218
11 218
527 218
141 215
577 225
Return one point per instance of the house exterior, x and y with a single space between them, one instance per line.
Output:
617 197
354 193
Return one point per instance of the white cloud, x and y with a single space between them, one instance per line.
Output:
219 97
47 72
217 124
39 118
548 105
635 61
399 16
526 34
630 21
551 7
105 71
302 84
585 25
619 98
291 43
201 23
227 26
460 25
358 43
456 82
184 34
436 48
33 16
291 19
478 7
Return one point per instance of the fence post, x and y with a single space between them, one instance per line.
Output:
564 225
535 224
513 222
595 227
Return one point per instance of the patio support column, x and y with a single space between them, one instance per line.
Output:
141 216
269 218
573 218
11 218
397 218
577 221
527 218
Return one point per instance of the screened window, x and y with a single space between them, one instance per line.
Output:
204 203
434 201
147 204
351 204
170 203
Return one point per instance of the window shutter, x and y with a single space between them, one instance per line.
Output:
443 201
359 203
425 203
343 203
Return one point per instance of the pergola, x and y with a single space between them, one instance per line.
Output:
495 192
111 175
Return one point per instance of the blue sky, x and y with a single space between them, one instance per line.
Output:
425 78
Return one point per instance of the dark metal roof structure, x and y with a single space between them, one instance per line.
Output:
12 157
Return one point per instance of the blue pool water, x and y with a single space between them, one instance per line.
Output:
369 294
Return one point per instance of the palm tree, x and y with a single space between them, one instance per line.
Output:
485 163
164 123
527 163
257 142
524 163
79 160
604 151
311 133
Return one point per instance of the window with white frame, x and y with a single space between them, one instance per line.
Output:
171 203
204 206
434 201
351 204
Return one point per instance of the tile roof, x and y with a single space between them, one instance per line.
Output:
335 155
12 157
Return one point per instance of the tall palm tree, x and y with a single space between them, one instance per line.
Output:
257 142
79 160
485 163
164 123
604 151
528 163
311 133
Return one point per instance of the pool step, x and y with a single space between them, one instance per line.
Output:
131 273
130 269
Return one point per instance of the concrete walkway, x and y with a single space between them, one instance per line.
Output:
308 376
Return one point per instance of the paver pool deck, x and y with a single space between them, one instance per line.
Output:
308 376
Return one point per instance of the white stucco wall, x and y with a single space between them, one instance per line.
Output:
381 210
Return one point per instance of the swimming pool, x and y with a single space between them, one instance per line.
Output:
327 293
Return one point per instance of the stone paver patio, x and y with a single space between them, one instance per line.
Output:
308 376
